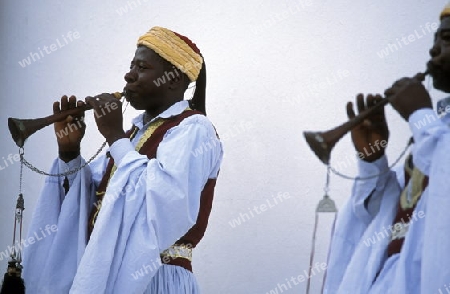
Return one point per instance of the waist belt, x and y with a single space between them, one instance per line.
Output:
178 254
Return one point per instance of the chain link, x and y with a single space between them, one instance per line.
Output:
21 152
35 169
376 175
326 189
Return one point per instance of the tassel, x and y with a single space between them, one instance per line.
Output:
12 281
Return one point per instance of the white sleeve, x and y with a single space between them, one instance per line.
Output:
97 168
427 131
355 217
373 178
57 231
67 166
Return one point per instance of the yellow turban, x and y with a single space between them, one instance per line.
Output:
175 48
445 12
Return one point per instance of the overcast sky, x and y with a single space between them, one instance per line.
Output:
275 69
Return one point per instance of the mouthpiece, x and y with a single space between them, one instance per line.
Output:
119 95
421 76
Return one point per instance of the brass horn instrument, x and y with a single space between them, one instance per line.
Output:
21 129
321 143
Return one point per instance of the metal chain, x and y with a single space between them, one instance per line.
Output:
35 169
22 161
326 188
376 175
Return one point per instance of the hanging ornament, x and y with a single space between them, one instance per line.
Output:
325 205
12 281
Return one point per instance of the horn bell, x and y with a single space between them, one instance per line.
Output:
21 129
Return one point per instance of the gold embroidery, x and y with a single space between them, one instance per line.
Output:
177 251
414 188
147 134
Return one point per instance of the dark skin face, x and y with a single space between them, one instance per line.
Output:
148 86
439 65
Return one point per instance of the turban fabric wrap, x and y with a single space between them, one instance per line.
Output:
181 53
445 12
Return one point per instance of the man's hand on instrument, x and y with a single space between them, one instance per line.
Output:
108 116
70 131
408 95
371 136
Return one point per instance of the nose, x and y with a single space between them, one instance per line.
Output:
435 50
130 76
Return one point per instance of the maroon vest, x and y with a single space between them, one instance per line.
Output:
150 147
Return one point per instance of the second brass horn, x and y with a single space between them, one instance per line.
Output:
21 129
323 142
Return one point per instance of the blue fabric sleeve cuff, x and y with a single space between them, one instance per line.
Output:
64 167
375 171
421 120
119 149
367 169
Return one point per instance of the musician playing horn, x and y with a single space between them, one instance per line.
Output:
392 236
128 222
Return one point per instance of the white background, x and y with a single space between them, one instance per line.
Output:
275 69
